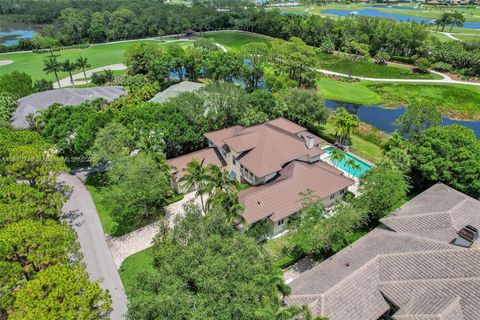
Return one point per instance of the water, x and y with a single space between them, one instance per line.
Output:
394 7
363 166
383 118
12 32
394 16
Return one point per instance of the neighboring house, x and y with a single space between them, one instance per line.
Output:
175 90
416 266
178 165
280 159
67 97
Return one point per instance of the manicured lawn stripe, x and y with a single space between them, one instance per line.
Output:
347 92
133 266
235 40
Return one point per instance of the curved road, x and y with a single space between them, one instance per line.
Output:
80 212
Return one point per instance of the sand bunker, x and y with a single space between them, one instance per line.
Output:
5 62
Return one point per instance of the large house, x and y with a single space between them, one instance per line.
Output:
423 263
280 159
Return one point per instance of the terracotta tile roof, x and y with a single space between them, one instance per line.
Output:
280 198
269 146
425 276
208 155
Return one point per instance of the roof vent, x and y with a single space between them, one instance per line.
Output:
466 236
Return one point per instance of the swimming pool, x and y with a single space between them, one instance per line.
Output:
364 167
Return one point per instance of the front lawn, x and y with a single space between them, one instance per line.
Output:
454 100
344 91
342 64
133 266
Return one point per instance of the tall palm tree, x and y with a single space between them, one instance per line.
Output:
228 201
344 123
219 180
82 63
337 156
196 178
69 67
51 65
457 19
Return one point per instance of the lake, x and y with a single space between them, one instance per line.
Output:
12 32
383 118
399 17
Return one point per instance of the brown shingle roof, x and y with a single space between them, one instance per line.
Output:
280 198
208 155
268 146
425 276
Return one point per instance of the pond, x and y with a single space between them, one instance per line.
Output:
12 32
383 118
399 17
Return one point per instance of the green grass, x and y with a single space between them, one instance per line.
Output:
347 92
278 247
98 56
466 37
454 100
235 40
442 37
96 186
133 266
366 68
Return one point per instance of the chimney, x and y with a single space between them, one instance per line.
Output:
309 140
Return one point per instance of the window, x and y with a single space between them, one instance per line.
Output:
332 196
342 191
281 222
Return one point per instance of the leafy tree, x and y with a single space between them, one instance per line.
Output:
447 154
382 57
227 201
68 66
139 55
193 63
417 118
422 65
221 65
344 123
40 167
7 107
253 116
28 247
196 178
188 262
10 139
139 187
205 46
82 63
18 84
42 85
51 65
302 106
112 142
98 27
20 201
357 51
61 292
383 188
256 55
103 77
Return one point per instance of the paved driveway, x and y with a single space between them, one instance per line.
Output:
81 214
141 239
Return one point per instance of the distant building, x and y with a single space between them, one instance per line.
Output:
423 263
280 159
67 97
175 90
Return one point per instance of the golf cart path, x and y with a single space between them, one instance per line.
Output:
446 79
80 212
65 82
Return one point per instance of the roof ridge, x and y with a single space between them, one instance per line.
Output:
476 278
460 249
391 216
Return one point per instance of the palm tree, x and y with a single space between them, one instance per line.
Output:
228 201
69 67
196 178
344 123
337 156
352 166
219 180
51 65
457 19
82 63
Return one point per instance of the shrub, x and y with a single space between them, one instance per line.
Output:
42 85
101 78
422 65
381 57
403 59
7 106
442 66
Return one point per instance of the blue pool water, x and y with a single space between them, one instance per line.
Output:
395 16
364 167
